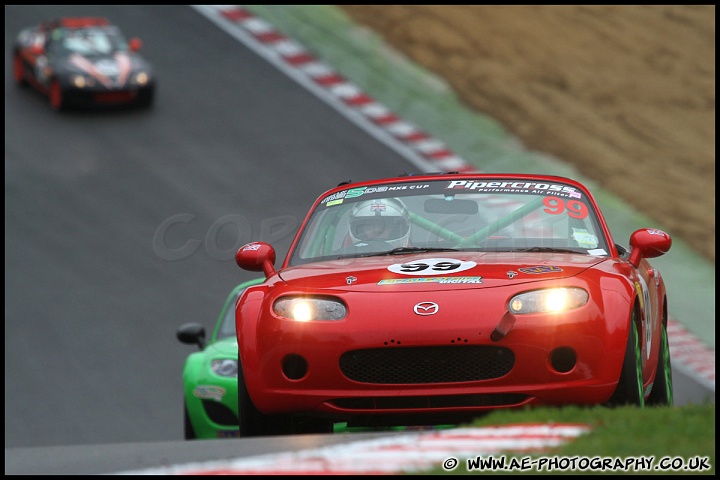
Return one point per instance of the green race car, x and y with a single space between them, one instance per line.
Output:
210 375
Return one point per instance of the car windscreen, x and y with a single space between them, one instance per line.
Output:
87 41
464 215
227 325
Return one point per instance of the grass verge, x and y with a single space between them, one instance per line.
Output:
684 435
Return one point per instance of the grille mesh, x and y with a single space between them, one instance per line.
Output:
419 365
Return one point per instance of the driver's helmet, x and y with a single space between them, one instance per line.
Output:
385 219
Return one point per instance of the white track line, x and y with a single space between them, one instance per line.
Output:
412 452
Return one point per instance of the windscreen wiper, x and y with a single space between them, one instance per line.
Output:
547 249
404 250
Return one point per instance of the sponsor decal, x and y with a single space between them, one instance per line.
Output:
504 186
209 392
510 274
584 238
335 198
350 280
395 188
339 197
649 312
251 246
443 280
558 206
426 308
540 269
356 192
431 266
638 289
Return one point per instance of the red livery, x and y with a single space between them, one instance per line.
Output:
83 61
431 299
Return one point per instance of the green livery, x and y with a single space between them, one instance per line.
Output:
210 375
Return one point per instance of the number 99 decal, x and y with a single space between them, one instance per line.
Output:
431 266
556 206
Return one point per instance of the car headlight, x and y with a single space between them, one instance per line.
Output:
224 367
141 78
82 81
304 309
551 300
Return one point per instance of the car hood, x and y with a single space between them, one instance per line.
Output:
116 65
433 271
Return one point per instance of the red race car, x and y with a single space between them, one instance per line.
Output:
431 299
82 61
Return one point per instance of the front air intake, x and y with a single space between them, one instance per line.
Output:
420 365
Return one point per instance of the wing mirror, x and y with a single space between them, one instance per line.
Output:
648 243
192 334
257 257
135 44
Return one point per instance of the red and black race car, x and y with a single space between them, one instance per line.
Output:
82 61
434 298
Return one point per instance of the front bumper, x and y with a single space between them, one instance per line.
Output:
445 364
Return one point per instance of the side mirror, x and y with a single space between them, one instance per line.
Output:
192 334
257 257
648 243
135 44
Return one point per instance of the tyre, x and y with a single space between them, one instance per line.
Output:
145 98
302 424
662 391
56 96
19 72
252 421
629 390
187 425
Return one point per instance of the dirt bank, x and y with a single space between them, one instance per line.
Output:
625 93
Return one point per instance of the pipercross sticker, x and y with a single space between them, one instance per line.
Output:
431 266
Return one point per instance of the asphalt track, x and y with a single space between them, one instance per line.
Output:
93 297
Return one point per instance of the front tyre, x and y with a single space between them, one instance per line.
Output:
145 98
188 429
303 424
19 71
253 422
56 95
662 391
629 390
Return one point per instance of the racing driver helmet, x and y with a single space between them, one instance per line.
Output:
385 220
